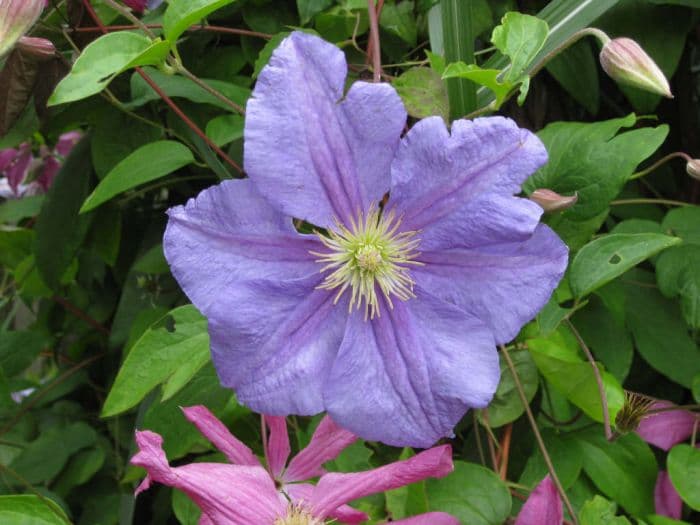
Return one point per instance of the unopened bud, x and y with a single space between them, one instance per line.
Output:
551 201
39 48
693 168
627 63
16 18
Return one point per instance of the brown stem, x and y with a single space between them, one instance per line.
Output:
374 46
598 380
666 202
504 452
212 91
536 432
67 305
663 160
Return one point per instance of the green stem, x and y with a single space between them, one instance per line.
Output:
206 87
660 162
536 432
667 202
126 13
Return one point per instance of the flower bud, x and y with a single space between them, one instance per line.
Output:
16 18
39 48
693 168
627 63
551 201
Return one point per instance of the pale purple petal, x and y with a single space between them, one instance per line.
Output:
336 489
277 448
301 493
204 520
407 377
503 285
274 342
227 494
666 429
313 152
436 172
667 502
430 518
543 506
216 432
327 442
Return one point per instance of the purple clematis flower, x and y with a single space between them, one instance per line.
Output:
543 506
388 316
245 493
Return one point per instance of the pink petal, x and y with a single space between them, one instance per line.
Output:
216 432
328 441
667 502
431 518
335 489
19 170
227 494
278 448
665 429
6 157
301 492
48 173
67 141
543 507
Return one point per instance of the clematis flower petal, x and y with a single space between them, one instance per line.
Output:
503 285
6 157
407 377
274 342
667 502
436 172
301 492
313 151
430 518
216 432
666 429
335 489
543 506
278 448
227 494
17 172
328 441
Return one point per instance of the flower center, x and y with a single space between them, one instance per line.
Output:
369 257
297 515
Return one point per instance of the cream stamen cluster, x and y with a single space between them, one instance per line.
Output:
370 257
297 515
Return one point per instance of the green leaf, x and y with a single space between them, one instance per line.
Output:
179 340
80 469
458 44
149 162
30 510
566 456
16 244
423 93
557 358
483 77
472 493
181 14
684 470
506 405
104 59
398 19
225 129
520 37
42 459
660 335
310 8
18 349
600 511
14 210
180 87
609 256
625 470
60 229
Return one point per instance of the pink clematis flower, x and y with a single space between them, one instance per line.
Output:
543 507
664 430
246 493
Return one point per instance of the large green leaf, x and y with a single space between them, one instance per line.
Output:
520 37
684 470
105 58
609 256
566 456
625 470
576 70
423 93
149 162
30 510
18 349
660 335
557 358
179 341
484 77
599 511
506 405
472 493
181 14
60 229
